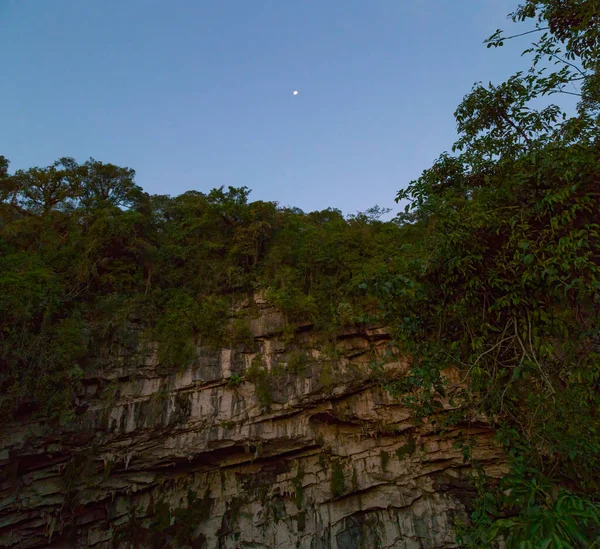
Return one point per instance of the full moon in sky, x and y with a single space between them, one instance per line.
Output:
295 92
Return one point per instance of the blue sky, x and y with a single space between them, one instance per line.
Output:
196 94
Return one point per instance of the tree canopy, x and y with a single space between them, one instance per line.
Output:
83 250
493 268
506 281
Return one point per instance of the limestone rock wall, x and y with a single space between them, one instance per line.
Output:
285 444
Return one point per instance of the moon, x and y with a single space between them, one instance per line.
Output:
295 92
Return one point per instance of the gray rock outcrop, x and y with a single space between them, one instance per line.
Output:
289 444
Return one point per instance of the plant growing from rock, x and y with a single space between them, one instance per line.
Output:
338 482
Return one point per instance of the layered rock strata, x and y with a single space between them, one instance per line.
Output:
286 442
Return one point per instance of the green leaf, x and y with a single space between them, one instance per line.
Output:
528 259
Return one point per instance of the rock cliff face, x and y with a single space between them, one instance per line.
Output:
284 443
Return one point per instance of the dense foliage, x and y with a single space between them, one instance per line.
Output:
505 283
493 268
83 250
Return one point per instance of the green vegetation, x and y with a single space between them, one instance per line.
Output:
407 449
179 525
241 334
298 489
84 252
235 380
259 374
354 480
384 458
297 362
493 268
504 282
338 482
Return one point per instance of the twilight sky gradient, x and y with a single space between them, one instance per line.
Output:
194 94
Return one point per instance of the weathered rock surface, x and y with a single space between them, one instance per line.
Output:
309 454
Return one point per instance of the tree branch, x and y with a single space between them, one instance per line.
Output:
568 93
507 119
568 63
522 34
